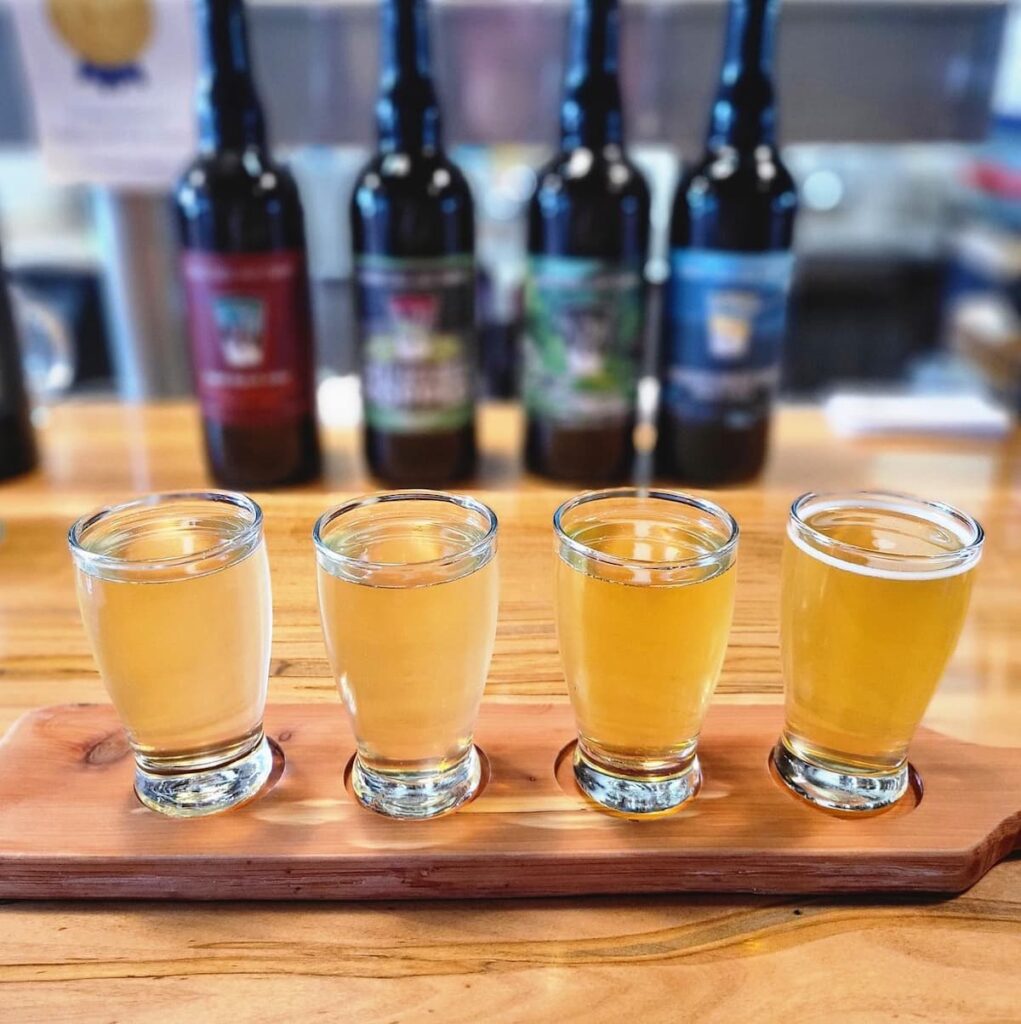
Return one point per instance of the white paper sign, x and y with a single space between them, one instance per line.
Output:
113 86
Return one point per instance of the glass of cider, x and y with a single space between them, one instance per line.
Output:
408 594
645 597
875 589
175 596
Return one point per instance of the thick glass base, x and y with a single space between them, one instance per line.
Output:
636 796
836 789
417 795
190 794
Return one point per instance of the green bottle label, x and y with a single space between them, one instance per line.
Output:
583 339
416 323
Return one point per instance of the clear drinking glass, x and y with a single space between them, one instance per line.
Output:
645 596
408 593
174 592
874 594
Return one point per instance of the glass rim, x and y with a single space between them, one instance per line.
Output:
94 561
726 549
463 501
908 564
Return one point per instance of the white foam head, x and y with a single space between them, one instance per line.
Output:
903 568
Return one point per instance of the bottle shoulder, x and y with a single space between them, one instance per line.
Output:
583 171
726 171
590 204
239 202
432 177
414 205
740 202
247 178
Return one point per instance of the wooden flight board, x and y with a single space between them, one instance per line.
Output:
70 825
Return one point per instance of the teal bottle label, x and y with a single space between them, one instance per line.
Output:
727 317
416 323
583 339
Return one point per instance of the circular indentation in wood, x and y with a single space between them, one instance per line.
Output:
563 769
276 772
905 805
485 774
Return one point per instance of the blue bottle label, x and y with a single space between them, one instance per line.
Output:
416 323
726 323
583 335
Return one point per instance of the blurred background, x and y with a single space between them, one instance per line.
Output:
900 119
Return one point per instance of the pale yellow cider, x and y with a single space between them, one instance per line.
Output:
864 648
184 653
410 647
642 650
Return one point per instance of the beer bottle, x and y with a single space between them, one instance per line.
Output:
585 297
17 439
245 276
725 307
413 233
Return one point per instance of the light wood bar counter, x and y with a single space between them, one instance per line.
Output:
669 958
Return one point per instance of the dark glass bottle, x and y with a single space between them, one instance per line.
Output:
17 439
413 233
245 276
585 297
725 305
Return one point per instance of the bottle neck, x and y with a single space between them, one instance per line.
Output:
230 114
744 114
591 113
407 113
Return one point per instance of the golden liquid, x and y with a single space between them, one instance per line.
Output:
185 660
863 654
410 647
642 657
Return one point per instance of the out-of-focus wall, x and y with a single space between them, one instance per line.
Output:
848 70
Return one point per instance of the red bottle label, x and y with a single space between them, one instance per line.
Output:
251 338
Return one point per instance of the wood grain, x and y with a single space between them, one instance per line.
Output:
719 958
69 825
